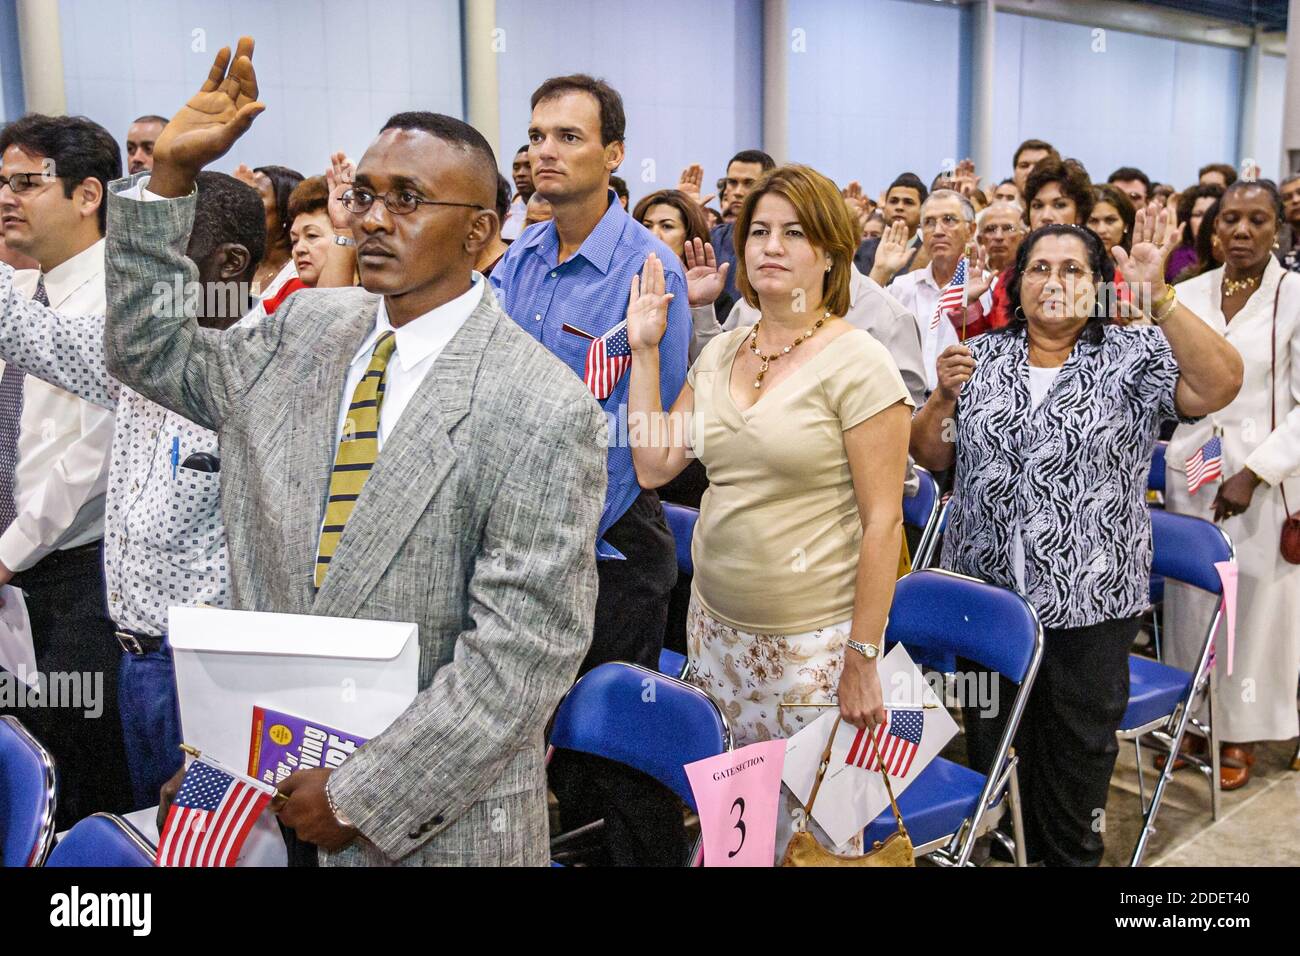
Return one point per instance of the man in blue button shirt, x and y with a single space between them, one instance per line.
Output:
567 283
744 170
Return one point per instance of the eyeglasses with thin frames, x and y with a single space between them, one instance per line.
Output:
358 201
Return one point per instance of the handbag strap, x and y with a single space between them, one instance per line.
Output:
1272 382
821 774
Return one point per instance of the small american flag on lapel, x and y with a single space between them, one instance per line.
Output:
1205 465
952 295
894 742
607 359
210 818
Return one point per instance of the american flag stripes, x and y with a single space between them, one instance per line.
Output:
607 359
894 742
952 295
210 818
1205 465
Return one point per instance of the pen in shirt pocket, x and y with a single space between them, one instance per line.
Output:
176 455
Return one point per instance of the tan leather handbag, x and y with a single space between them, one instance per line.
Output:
805 850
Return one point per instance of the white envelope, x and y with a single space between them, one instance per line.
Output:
355 675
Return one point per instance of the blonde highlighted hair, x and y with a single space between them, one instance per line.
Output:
825 222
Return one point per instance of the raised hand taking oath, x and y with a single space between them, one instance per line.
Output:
690 181
208 125
892 252
705 280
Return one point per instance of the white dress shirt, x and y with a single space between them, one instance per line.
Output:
514 224
63 442
919 293
419 343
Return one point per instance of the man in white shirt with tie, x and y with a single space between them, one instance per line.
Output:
947 218
54 464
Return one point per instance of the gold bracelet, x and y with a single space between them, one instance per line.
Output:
1163 308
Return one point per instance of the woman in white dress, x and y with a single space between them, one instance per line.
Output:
1258 702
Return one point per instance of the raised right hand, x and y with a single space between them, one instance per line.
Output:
956 365
647 306
892 251
338 180
208 125
690 181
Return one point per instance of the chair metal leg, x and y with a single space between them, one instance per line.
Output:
1142 790
1162 781
1017 818
1210 696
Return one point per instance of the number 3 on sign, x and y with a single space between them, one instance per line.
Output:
737 794
740 825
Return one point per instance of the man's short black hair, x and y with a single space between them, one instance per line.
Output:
522 149
909 181
227 210
151 118
453 131
619 185
613 121
753 156
80 148
505 190
1129 173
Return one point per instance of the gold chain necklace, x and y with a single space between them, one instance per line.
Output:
767 360
1233 286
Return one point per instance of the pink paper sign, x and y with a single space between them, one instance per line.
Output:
1228 575
737 794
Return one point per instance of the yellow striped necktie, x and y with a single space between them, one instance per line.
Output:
358 450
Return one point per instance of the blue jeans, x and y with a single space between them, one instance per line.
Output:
151 722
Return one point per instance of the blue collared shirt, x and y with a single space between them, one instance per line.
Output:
723 237
589 291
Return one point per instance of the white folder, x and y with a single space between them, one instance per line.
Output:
355 676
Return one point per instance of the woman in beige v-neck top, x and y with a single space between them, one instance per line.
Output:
805 446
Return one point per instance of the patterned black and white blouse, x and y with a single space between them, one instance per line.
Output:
1072 473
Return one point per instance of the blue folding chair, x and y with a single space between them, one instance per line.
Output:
1162 698
648 721
927 557
922 511
28 795
681 522
939 613
103 839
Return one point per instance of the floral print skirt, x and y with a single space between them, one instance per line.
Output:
750 675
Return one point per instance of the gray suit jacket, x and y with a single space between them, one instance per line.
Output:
478 523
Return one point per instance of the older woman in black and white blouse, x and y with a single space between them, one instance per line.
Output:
1055 418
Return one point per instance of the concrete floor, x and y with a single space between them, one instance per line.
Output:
1258 825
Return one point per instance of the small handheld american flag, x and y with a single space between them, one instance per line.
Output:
953 295
211 817
894 743
1205 465
607 359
